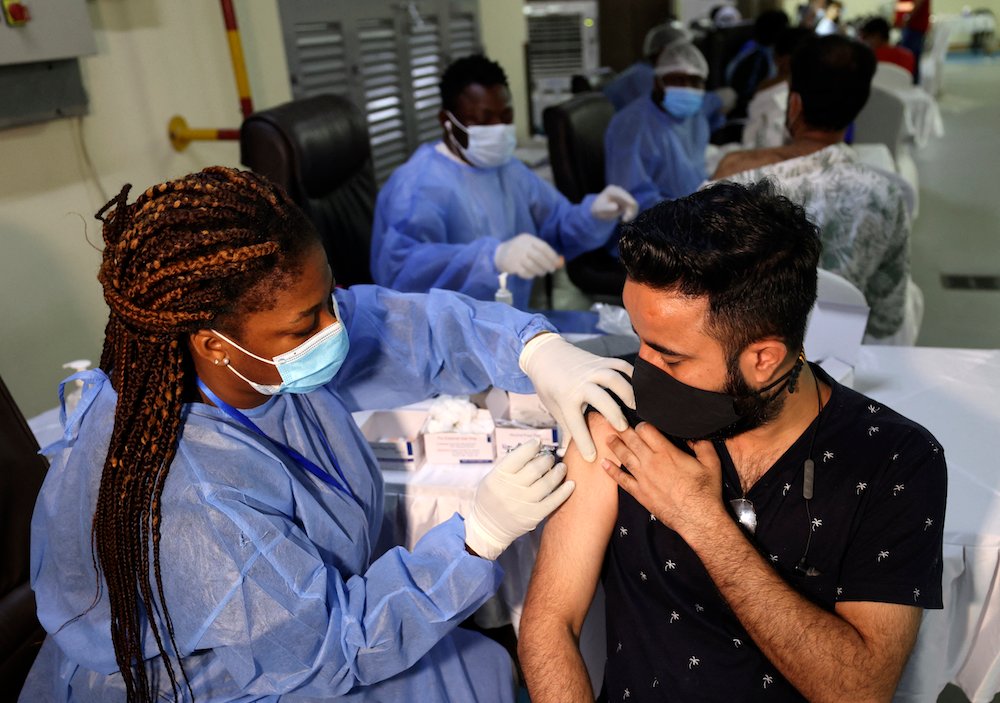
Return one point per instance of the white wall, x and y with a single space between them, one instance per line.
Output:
156 58
504 32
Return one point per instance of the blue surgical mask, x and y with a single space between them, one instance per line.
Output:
308 366
490 146
683 102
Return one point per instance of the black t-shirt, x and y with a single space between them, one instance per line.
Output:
874 527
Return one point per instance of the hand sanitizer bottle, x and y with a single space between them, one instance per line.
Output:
503 295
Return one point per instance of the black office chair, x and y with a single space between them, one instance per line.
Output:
575 132
720 45
318 150
22 470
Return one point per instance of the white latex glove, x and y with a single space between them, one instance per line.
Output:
520 492
526 256
614 202
568 379
728 96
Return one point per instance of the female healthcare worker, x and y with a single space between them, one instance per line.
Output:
206 529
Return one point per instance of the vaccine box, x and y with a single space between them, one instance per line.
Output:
394 436
461 447
523 408
535 422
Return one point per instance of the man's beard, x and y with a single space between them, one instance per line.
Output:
754 409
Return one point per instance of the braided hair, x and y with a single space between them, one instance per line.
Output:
189 254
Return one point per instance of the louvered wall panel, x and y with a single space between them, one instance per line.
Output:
463 35
386 56
425 74
322 58
381 82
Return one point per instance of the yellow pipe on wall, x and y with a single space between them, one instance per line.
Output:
181 135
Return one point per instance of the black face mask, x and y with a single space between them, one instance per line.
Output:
683 411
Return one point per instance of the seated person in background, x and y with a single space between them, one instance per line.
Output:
723 16
635 80
811 13
861 213
875 33
655 147
463 210
916 23
830 22
776 532
765 124
755 61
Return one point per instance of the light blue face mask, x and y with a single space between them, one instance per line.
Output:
683 102
306 367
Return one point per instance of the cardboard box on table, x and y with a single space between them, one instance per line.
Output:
461 447
520 418
394 436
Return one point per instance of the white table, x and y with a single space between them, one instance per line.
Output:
955 393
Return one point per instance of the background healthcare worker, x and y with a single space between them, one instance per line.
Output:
655 147
207 526
635 80
463 210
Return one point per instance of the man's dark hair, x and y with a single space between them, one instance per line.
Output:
465 72
834 77
876 27
792 39
768 26
752 252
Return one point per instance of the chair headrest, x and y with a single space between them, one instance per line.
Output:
324 140
575 132
583 111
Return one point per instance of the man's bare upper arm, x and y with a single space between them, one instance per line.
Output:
573 543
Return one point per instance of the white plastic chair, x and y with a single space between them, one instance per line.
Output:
836 325
882 120
932 61
889 75
833 288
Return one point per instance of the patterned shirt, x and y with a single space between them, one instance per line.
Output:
765 125
863 220
873 531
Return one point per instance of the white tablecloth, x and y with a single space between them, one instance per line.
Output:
955 393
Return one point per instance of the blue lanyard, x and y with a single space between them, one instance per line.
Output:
317 471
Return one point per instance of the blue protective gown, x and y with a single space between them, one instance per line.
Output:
632 83
438 223
656 156
268 571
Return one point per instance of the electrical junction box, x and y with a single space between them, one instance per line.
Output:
45 30
40 43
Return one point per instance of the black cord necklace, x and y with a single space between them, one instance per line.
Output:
808 478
